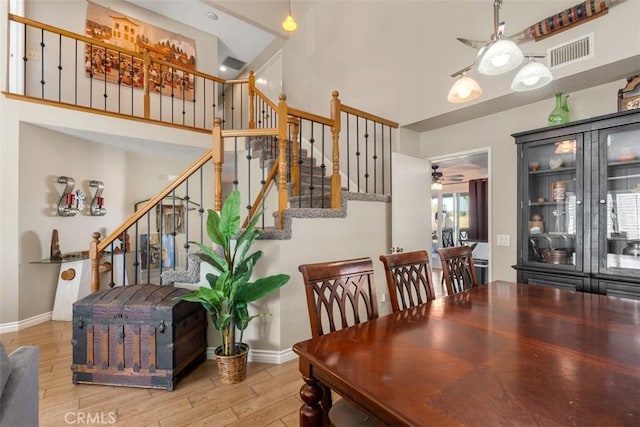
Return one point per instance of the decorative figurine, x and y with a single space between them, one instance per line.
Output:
56 253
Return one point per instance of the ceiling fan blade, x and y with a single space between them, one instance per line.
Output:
476 44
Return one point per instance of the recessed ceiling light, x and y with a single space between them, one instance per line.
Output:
212 15
222 68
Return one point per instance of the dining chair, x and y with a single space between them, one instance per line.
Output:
447 237
447 242
463 236
408 277
458 270
340 294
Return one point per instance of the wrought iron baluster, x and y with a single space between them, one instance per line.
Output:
193 101
105 95
91 76
300 162
311 142
375 158
201 210
249 197
187 200
235 163
366 155
382 147
42 45
183 85
390 163
148 248
136 261
24 60
75 74
120 76
348 156
60 68
323 168
358 152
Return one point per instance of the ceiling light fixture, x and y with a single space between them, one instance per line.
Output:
496 56
465 89
533 75
289 23
212 15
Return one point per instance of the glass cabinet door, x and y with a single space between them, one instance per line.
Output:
619 201
552 203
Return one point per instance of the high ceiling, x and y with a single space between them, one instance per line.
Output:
237 38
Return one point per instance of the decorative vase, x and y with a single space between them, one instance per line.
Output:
233 369
560 113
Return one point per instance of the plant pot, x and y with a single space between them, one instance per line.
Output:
233 369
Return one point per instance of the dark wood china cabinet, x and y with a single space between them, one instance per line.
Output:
579 205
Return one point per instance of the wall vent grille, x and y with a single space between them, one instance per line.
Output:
570 52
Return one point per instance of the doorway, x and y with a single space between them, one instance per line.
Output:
457 216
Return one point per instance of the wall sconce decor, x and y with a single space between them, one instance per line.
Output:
97 203
66 204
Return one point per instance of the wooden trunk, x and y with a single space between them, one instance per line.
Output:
137 336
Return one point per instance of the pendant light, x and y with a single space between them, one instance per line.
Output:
465 89
501 57
289 24
532 76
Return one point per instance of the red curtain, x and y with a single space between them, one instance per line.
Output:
478 210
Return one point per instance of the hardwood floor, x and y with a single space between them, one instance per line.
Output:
268 397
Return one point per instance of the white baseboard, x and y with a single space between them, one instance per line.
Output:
26 323
275 357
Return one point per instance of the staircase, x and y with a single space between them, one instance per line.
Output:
315 184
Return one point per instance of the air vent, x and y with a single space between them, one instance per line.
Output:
234 63
571 52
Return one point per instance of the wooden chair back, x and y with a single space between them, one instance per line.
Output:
447 237
458 270
339 294
408 277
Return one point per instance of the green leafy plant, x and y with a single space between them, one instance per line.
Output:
230 289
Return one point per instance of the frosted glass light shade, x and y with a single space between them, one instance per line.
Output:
534 75
436 186
289 24
501 57
465 89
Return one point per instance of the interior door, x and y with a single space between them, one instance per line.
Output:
410 203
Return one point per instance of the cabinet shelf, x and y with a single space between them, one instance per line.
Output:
547 203
561 170
624 163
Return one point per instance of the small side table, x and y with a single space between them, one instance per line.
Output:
74 282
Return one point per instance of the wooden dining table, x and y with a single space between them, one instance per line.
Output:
502 354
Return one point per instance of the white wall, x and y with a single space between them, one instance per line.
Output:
394 58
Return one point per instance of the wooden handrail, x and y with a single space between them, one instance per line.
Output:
265 99
80 108
365 115
250 132
267 183
69 34
154 200
310 116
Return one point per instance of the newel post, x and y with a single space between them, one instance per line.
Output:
146 58
283 193
94 256
252 100
295 154
336 183
218 161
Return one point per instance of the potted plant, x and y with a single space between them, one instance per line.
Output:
230 290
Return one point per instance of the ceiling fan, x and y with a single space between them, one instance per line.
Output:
501 54
438 178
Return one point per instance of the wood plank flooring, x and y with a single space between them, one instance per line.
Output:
268 397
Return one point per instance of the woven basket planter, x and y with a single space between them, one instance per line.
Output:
233 369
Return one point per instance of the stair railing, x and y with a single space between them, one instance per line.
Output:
163 205
79 72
